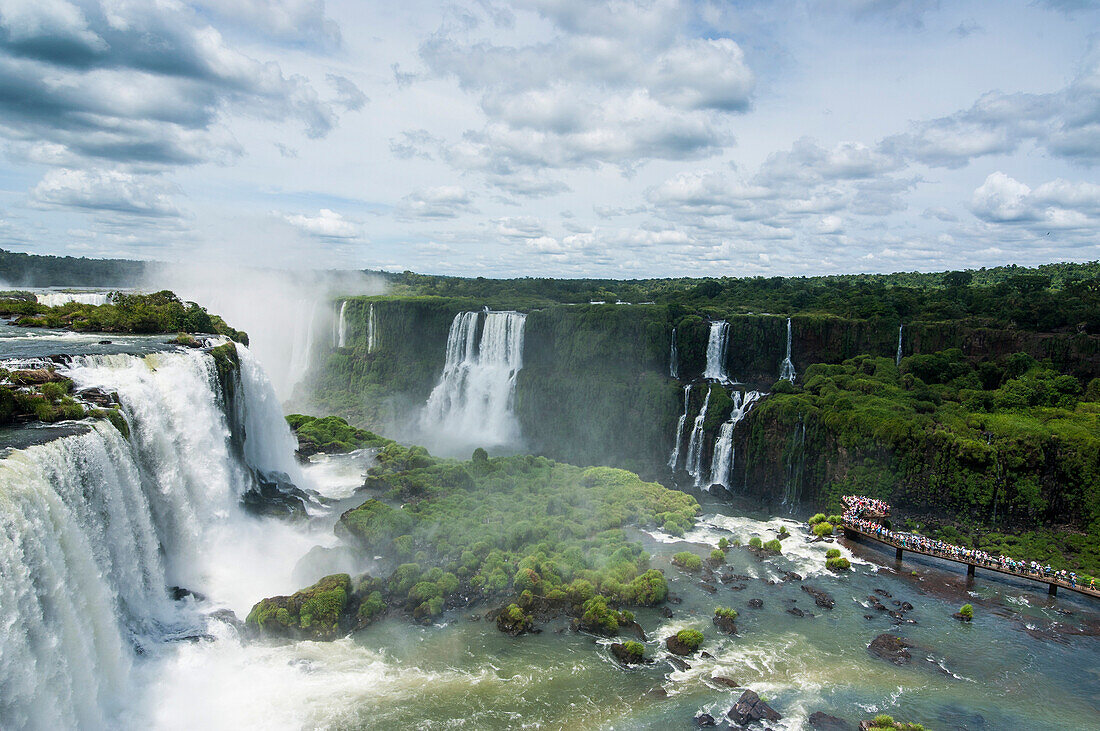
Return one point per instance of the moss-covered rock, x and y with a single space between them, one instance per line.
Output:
313 613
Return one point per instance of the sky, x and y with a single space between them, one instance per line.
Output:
623 139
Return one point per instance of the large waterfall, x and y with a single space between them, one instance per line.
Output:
786 371
94 528
722 461
54 299
897 359
673 358
472 405
717 344
694 464
674 458
371 329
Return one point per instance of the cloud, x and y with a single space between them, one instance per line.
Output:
348 95
295 22
439 202
112 191
327 224
136 83
1058 204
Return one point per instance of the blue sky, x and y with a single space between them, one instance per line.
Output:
554 137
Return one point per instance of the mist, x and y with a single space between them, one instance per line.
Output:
286 314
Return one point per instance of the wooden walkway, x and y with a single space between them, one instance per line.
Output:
1051 582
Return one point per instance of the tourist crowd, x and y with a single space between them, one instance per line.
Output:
857 506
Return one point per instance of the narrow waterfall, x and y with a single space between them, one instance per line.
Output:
370 329
717 344
342 327
897 359
674 459
786 371
94 528
473 402
53 299
695 444
722 461
795 457
673 358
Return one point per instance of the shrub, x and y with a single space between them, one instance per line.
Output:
690 638
687 561
832 553
634 651
783 531
725 612
773 546
819 518
835 519
598 617
967 611
838 563
718 556
650 588
883 721
823 529
723 543
756 542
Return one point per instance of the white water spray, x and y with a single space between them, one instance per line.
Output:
722 461
786 371
342 326
371 329
695 444
717 344
473 402
673 358
54 299
674 459
897 359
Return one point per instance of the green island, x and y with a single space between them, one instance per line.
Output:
527 535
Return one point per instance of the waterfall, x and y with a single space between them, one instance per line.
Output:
673 358
370 329
53 299
897 359
722 461
95 527
716 352
473 402
695 444
786 371
342 327
674 459
795 457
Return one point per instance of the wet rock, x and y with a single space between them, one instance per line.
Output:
883 592
474 618
868 616
961 617
723 680
666 612
749 708
875 603
891 648
657 692
706 655
178 593
708 588
906 607
821 598
796 612
104 342
725 625
99 397
676 647
755 603
705 720
678 663
226 616
791 576
824 722
35 377
628 655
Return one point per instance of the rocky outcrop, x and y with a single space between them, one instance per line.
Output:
314 613
891 648
824 722
749 709
821 598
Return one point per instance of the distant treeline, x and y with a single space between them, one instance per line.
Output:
1046 298
32 270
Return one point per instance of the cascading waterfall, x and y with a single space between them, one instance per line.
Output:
473 401
95 527
717 344
722 461
342 326
897 359
695 444
673 358
54 299
795 457
786 371
370 329
674 459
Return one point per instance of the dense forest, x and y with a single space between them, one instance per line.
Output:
32 270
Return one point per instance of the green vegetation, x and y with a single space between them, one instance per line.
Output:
160 312
783 531
35 270
330 434
688 561
884 721
633 652
725 613
717 556
773 546
832 553
756 542
823 529
312 613
994 444
967 611
837 563
692 639
43 395
550 533
819 518
723 543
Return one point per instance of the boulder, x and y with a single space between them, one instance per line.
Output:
961 617
676 647
678 663
626 656
723 680
314 613
725 625
749 708
824 722
795 611
35 377
891 648
821 598
756 603
666 612
705 720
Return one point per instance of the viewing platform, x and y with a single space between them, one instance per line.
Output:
864 527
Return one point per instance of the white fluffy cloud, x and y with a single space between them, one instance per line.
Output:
327 224
113 191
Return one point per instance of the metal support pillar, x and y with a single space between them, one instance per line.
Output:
1053 590
899 554
970 569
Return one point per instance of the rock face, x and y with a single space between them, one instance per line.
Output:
514 621
750 708
275 496
705 720
891 648
35 377
824 722
313 613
